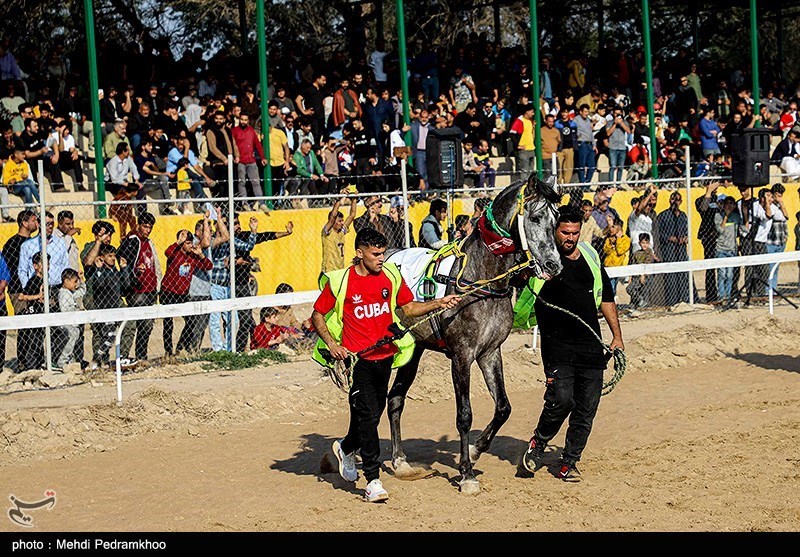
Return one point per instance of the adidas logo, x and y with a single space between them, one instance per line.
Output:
357 298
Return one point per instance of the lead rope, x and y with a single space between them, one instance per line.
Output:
620 360
342 371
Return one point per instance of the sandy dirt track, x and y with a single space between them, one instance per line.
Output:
703 433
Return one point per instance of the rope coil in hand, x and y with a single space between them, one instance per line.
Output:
620 360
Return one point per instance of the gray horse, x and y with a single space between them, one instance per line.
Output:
475 329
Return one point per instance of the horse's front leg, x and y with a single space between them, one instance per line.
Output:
491 364
460 370
397 397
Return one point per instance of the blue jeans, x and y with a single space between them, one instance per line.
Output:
27 189
725 277
215 320
420 163
616 159
586 162
774 249
430 86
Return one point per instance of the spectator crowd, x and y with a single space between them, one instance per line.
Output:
334 128
170 124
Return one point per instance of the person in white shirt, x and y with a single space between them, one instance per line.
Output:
70 156
119 168
376 61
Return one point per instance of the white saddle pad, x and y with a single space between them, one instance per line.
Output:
412 263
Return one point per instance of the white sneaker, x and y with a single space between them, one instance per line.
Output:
128 363
375 492
347 462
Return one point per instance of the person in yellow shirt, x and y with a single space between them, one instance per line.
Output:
279 156
333 234
18 178
616 249
523 133
183 186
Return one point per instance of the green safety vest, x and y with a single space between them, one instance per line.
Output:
524 314
338 282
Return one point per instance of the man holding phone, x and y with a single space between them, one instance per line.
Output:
617 130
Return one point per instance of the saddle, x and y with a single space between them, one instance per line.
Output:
427 274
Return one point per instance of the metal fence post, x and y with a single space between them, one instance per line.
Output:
117 341
554 164
404 181
690 241
231 254
48 357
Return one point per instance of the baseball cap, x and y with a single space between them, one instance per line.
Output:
641 109
285 110
397 201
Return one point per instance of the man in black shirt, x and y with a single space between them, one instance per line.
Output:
572 357
364 152
28 224
310 104
34 142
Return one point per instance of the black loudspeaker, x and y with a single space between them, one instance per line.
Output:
750 154
444 158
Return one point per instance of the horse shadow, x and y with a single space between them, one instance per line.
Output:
779 362
315 458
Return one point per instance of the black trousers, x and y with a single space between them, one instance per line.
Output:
710 252
574 392
168 298
367 402
194 328
220 176
246 321
32 355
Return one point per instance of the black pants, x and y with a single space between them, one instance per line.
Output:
574 392
367 402
144 327
220 176
168 298
193 329
32 355
246 321
710 252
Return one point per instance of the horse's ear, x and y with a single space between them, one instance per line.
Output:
548 189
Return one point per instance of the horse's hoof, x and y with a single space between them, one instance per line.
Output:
404 471
474 454
469 487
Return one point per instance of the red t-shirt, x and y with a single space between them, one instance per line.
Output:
147 276
263 333
367 312
180 268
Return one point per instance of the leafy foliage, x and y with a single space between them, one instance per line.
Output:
233 361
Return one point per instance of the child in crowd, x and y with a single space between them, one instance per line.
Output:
639 286
184 186
69 299
268 334
123 212
107 284
286 316
31 342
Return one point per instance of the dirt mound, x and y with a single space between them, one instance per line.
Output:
692 344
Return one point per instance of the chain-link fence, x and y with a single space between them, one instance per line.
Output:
171 248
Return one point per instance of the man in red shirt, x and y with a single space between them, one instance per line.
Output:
183 258
354 312
138 250
248 144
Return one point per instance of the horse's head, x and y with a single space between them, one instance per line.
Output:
541 199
